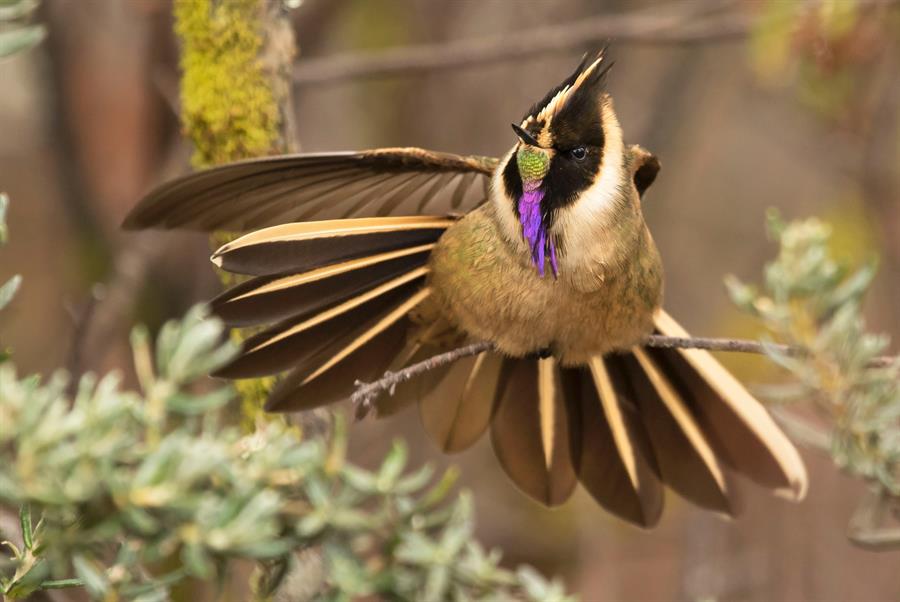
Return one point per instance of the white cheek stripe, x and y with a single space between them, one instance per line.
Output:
580 224
503 203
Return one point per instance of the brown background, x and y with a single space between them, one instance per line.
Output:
86 126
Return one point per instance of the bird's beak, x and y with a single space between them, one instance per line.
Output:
524 136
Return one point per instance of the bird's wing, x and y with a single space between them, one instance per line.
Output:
293 188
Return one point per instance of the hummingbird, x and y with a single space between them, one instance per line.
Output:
356 263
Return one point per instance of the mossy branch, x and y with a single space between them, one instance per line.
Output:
236 103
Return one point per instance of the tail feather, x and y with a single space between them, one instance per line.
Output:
686 460
419 347
530 430
739 427
612 453
458 411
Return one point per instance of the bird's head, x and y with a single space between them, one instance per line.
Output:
568 162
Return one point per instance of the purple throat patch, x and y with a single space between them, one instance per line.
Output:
533 229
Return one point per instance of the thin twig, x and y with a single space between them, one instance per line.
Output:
691 23
364 396
741 346
81 319
645 27
366 393
715 344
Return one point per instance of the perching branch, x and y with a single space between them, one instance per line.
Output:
738 346
366 393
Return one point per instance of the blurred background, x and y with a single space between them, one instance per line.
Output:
748 105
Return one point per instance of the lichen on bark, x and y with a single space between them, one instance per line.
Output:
228 109
235 101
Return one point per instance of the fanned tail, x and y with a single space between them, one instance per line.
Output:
740 429
624 426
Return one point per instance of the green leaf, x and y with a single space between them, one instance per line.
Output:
415 548
360 479
854 287
533 583
440 490
29 582
8 290
312 524
11 10
415 481
459 528
437 583
346 571
4 204
25 525
62 584
95 580
392 467
197 561
193 405
21 39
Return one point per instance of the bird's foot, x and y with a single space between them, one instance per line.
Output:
540 354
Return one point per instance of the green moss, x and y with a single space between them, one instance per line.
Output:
228 109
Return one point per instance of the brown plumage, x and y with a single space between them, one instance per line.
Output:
363 262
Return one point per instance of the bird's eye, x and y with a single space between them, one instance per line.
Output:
578 153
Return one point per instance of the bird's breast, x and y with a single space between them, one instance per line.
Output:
488 287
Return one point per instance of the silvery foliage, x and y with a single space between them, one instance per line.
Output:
17 33
126 493
811 301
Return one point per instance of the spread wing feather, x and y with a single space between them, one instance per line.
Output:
356 349
298 247
267 299
296 340
274 190
296 392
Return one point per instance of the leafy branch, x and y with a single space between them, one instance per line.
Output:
122 481
811 301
